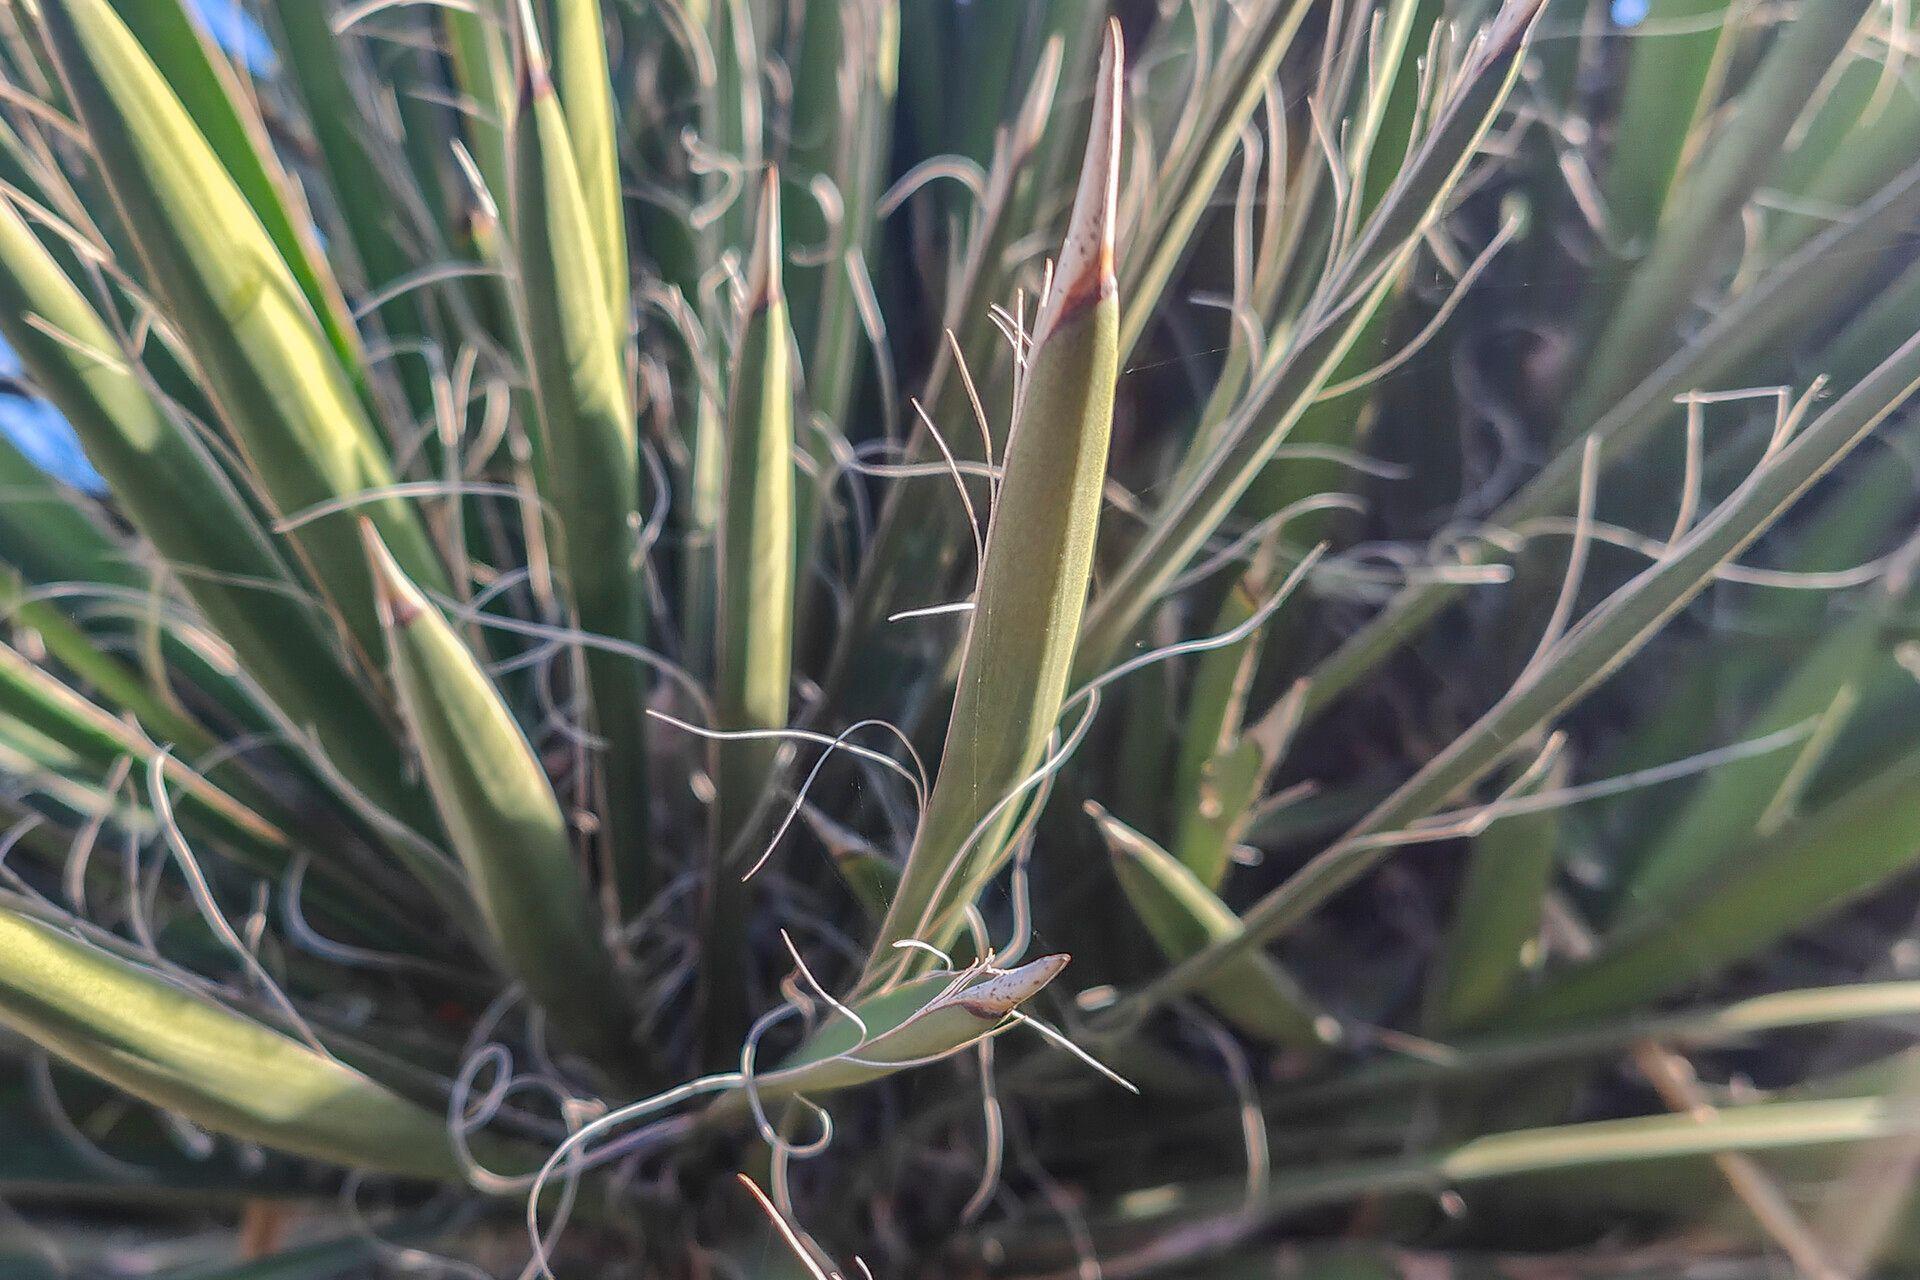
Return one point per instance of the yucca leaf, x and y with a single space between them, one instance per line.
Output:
1295 371
1592 650
915 551
1190 177
176 1049
172 36
371 209
1497 913
733 110
849 58
575 349
1254 994
111 679
477 48
870 876
222 559
844 89
38 700
44 532
62 732
1707 203
1211 1219
1039 554
505 823
1856 163
1781 884
326 1260
1484 1054
1777 306
1674 68
1733 805
754 663
581 77
277 380
1220 768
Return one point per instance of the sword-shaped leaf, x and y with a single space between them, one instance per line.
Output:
1253 993
275 377
220 1069
754 664
916 1022
1295 371
1597 646
213 544
1039 555
576 351
502 817
207 87
1497 912
1706 204
586 95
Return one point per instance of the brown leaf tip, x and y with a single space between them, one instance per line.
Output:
536 77
395 599
1085 274
763 268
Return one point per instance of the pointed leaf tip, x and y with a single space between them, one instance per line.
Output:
1085 272
536 76
1122 841
763 269
398 601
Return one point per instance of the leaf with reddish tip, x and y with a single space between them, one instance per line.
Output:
1039 557
500 812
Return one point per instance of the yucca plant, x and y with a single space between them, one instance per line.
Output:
995 638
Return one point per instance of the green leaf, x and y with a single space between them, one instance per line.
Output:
754 664
1498 910
1596 647
576 352
1253 993
1777 306
1775 1126
1706 206
222 559
1296 370
176 1049
1675 61
586 96
1038 558
278 382
111 679
172 36
1780 885
1190 177
505 823
1482 1055
920 1020
373 208
1222 764
34 698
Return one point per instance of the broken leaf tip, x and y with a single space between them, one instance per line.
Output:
996 996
